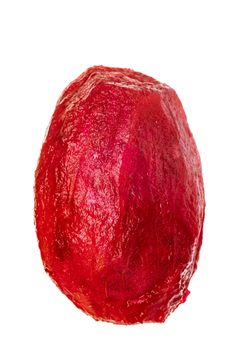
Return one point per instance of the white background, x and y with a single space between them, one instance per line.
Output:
46 44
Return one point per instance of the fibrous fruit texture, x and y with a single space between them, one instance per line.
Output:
119 199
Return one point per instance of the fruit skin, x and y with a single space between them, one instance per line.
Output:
119 197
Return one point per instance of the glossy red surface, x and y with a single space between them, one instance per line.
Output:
119 199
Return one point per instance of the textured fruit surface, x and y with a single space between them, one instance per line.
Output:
119 198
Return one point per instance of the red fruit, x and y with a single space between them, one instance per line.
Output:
119 199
